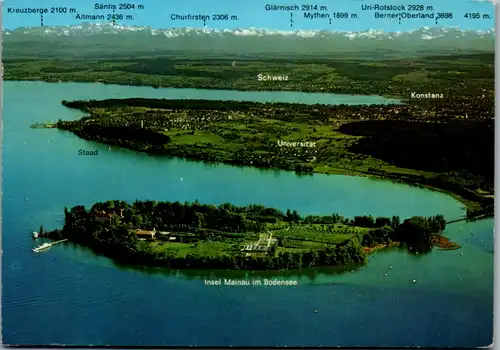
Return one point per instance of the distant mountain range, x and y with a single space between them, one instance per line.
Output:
92 39
87 29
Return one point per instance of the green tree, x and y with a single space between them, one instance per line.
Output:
415 230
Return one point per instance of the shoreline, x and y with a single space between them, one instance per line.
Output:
325 169
468 204
441 182
370 250
401 99
440 242
228 237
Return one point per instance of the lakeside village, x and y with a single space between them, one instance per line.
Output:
227 237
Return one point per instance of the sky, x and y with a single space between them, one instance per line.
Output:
252 13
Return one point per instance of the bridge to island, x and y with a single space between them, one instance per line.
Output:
464 218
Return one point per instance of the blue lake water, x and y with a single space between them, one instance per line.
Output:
68 295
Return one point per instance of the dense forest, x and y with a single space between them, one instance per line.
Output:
109 227
466 146
135 137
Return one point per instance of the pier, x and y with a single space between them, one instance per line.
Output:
47 245
43 126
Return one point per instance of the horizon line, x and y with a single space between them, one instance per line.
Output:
251 28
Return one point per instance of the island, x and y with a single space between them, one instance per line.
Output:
254 237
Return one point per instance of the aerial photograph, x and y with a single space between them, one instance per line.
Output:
235 173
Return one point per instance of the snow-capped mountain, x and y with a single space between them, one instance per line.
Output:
86 29
249 40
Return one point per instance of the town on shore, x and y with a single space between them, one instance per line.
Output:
376 140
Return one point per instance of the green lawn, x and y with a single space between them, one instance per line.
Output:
199 137
308 237
201 248
316 233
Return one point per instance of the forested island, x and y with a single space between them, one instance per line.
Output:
430 145
199 236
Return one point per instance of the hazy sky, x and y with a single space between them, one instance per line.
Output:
251 13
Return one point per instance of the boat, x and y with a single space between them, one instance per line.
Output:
41 247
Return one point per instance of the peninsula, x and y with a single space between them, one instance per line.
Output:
376 140
194 235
